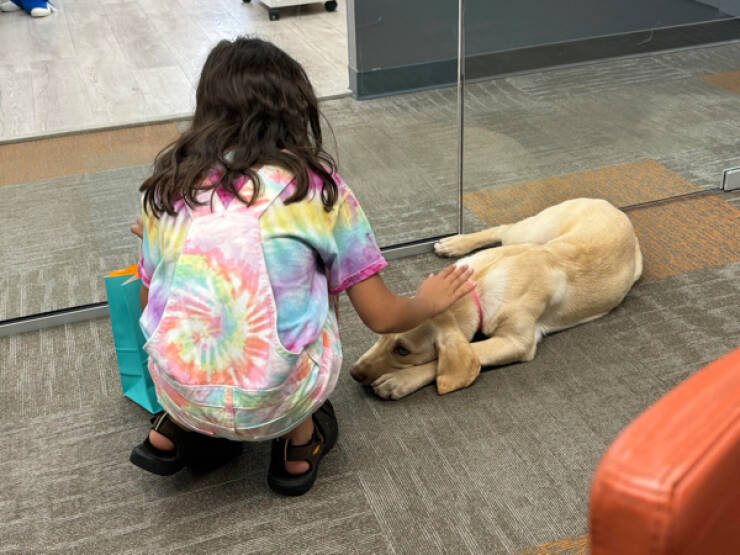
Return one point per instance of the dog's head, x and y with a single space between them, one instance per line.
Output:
436 339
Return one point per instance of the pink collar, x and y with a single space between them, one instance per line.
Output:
476 300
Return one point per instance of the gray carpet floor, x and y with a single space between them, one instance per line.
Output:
399 156
502 465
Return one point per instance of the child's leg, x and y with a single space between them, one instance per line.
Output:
308 443
169 447
300 435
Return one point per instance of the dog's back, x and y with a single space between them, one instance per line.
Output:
583 251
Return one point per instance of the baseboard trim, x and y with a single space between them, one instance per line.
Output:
437 74
53 318
71 315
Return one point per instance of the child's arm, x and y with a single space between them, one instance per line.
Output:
143 297
384 312
138 230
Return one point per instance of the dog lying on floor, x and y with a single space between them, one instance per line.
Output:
569 264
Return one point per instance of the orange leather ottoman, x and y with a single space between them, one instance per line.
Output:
670 482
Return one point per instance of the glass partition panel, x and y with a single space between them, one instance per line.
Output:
398 154
633 102
638 103
70 194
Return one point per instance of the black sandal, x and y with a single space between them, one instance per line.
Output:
325 432
190 448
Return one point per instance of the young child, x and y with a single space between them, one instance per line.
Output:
249 235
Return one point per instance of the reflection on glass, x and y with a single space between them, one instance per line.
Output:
70 200
398 155
628 128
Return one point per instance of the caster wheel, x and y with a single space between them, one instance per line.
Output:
330 6
274 14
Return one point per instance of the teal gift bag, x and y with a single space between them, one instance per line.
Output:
122 288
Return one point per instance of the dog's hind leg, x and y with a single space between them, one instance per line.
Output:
540 228
458 245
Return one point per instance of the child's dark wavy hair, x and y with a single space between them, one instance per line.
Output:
256 103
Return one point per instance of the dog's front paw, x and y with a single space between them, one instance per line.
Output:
391 386
452 246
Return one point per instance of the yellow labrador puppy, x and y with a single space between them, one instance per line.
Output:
569 264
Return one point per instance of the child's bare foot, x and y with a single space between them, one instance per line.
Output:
160 441
301 435
169 447
295 457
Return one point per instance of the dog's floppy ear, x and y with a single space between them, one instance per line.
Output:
457 364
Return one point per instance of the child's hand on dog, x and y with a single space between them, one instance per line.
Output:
437 293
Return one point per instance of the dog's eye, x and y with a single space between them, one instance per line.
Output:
400 350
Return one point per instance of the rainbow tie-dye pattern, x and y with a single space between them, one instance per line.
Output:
216 357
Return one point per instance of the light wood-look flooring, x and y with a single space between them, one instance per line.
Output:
98 63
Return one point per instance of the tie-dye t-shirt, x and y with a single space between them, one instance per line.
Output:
310 255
